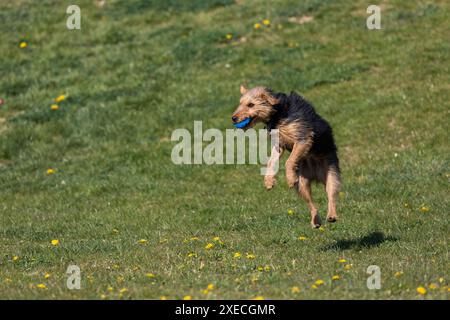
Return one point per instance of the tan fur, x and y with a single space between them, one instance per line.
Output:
318 169
299 152
261 101
269 178
332 186
305 193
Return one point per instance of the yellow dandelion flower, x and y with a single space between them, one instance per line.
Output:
163 298
23 45
187 298
216 239
348 266
398 274
260 268
441 280
150 275
335 278
342 260
250 256
266 22
194 239
237 255
321 228
313 286
103 296
432 286
229 36
54 107
143 241
205 291
424 209
267 268
319 282
421 290
123 290
110 289
209 246
210 286
60 98
15 258
47 275
257 26
302 238
191 255
290 212
41 286
295 289
258 298
50 171
54 242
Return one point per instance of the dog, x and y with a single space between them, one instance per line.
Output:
306 135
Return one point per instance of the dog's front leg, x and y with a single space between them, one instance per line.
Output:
272 167
299 150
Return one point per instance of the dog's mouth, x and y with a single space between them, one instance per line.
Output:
245 124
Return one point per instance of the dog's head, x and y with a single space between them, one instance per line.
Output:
256 105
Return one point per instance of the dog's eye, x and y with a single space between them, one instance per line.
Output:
250 105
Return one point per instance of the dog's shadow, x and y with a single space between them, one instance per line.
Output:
373 239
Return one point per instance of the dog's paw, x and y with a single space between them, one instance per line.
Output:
292 181
316 222
269 182
331 218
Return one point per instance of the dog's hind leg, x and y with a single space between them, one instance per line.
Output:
304 188
332 186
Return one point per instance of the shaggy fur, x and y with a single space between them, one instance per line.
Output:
306 135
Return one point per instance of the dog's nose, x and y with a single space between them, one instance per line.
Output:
234 118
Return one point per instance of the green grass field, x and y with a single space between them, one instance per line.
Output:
139 69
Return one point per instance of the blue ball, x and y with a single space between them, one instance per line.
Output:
243 123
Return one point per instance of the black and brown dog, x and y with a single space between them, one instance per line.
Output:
305 134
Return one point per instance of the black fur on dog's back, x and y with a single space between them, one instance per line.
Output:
294 107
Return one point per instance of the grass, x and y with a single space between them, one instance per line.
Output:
137 70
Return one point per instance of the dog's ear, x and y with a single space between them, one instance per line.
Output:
243 89
269 97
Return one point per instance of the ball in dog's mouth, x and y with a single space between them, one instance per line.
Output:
242 124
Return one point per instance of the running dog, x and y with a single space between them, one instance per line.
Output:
306 135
